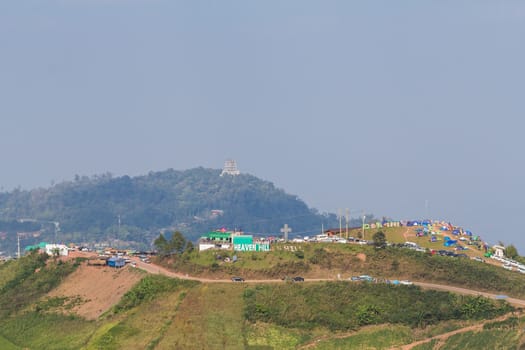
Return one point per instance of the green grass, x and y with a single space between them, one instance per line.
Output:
263 335
7 345
8 271
47 331
381 337
426 346
210 317
484 340
343 306
162 313
328 260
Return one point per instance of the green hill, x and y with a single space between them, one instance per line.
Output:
166 313
192 201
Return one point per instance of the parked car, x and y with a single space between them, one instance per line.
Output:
406 282
366 278
507 267
355 279
477 258
237 279
298 279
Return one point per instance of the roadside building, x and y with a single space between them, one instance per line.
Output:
57 249
499 251
116 262
216 240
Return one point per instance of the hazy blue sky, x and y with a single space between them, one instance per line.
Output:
375 105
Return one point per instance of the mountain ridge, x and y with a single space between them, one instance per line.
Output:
133 210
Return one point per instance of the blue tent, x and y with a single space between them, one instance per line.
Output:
449 243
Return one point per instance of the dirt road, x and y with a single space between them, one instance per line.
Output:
152 268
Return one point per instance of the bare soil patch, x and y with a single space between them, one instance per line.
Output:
98 288
361 257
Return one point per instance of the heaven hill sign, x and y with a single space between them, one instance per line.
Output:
253 247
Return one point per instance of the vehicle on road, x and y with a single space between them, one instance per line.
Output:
366 278
298 279
406 282
237 279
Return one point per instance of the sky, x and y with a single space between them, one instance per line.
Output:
404 109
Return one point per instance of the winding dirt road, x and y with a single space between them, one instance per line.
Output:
155 269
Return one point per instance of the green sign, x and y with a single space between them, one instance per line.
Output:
257 247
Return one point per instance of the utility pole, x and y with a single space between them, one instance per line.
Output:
347 216
118 232
363 226
340 218
57 229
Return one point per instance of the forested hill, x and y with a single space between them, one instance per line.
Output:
193 201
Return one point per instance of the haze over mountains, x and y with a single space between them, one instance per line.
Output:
133 210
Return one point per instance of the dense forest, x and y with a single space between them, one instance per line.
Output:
133 210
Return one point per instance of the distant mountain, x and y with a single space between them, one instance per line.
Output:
193 201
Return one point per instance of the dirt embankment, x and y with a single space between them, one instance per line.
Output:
97 288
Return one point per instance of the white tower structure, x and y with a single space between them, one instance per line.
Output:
230 168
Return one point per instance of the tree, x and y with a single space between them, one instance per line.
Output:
56 252
162 245
177 243
379 239
511 251
189 247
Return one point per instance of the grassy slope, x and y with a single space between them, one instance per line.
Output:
484 340
196 316
325 260
379 337
211 316
7 345
191 316
143 316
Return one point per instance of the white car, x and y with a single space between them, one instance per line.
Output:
406 282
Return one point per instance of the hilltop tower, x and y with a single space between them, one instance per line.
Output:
230 168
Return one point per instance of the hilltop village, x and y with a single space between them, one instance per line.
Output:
432 237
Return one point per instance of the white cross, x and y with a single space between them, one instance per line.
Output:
286 230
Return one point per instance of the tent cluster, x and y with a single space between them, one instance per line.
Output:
450 235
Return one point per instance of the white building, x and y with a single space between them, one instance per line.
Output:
52 249
230 168
499 251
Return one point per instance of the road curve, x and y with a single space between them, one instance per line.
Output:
155 269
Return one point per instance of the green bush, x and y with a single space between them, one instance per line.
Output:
346 306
